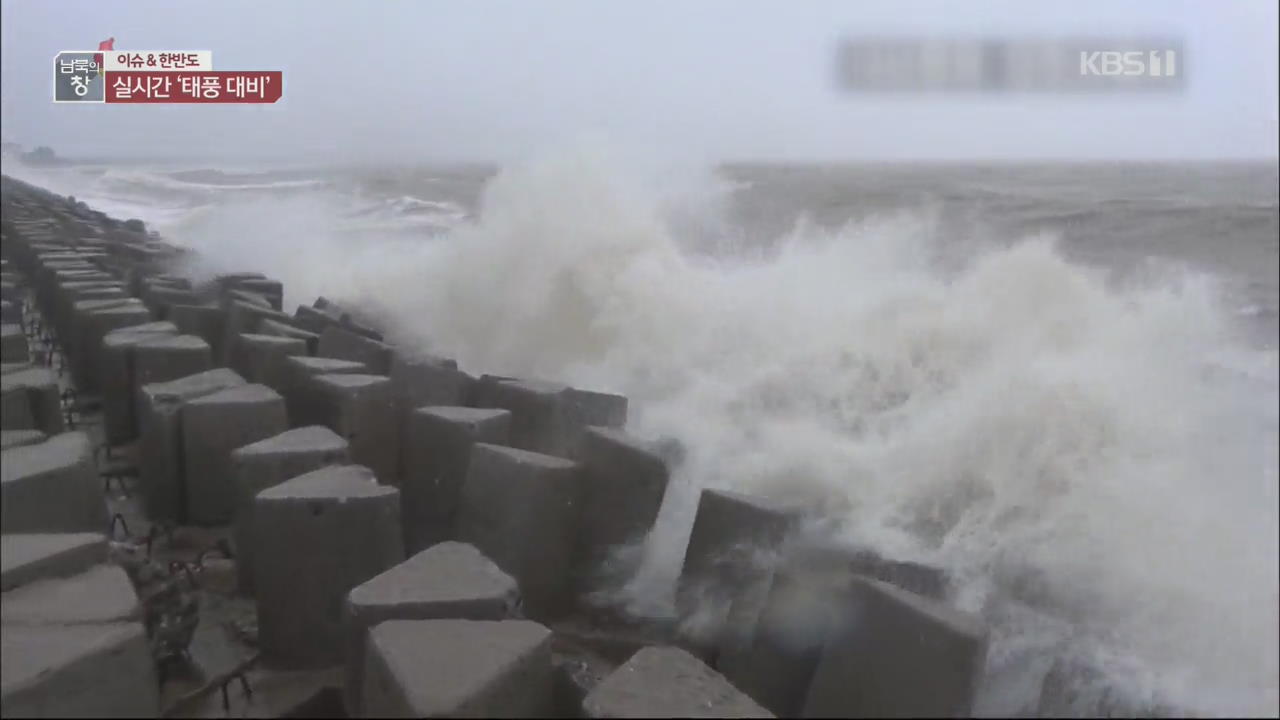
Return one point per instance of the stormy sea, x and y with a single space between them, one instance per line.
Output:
1058 382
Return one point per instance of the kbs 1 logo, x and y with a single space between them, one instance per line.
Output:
1070 65
1135 63
108 75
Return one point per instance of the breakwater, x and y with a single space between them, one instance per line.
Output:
334 467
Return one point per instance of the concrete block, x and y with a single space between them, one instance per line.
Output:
624 482
52 487
897 654
427 380
87 290
346 319
252 298
314 319
57 283
37 389
770 652
458 668
361 408
118 380
18 438
599 408
419 381
267 463
243 317
1075 686
483 387
260 358
538 411
15 409
213 427
27 557
204 321
160 466
448 581
522 509
101 594
730 551
169 357
70 293
160 297
90 326
47 281
343 344
668 682
299 391
13 344
436 450
43 395
923 580
773 643
550 417
279 329
84 670
320 535
56 289
225 281
272 290
51 261
177 281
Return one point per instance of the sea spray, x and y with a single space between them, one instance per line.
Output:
1048 437
1057 440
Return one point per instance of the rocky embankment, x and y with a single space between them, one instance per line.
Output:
212 506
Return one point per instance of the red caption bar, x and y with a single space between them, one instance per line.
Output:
195 86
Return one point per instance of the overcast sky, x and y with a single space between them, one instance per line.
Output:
491 81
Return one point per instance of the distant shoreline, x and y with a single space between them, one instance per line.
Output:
735 164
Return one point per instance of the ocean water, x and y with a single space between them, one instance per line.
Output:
1059 382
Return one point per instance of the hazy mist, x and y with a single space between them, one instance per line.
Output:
490 81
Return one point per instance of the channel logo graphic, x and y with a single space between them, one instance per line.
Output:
108 75
1069 65
1114 62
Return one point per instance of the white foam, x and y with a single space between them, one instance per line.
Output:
1054 442
1020 423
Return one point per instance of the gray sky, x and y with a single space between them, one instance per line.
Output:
491 81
